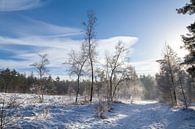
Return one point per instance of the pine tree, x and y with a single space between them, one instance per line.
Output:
189 39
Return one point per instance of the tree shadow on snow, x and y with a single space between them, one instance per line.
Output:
153 115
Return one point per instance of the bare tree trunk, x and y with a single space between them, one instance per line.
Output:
90 35
171 96
107 82
110 95
42 92
174 95
173 83
114 92
189 91
78 88
173 86
184 96
115 87
92 81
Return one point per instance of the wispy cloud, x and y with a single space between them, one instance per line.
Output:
39 28
57 50
15 5
20 26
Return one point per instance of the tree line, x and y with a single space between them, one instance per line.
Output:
14 82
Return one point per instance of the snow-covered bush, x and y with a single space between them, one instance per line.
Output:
8 111
44 114
13 103
102 108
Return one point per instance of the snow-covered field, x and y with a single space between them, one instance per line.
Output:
57 112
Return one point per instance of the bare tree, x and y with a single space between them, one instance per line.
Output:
171 77
114 66
181 81
125 73
168 69
41 69
76 62
90 44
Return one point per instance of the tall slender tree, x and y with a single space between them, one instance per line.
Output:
90 25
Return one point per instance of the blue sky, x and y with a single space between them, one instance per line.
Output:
29 27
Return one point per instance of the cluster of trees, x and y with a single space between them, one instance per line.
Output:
174 84
176 80
107 76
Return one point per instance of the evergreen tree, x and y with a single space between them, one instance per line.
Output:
150 88
189 39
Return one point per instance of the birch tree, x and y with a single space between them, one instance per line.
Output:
76 62
89 37
41 68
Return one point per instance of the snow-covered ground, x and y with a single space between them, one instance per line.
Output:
57 112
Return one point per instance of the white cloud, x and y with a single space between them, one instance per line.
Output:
108 45
15 5
57 50
149 66
13 64
173 38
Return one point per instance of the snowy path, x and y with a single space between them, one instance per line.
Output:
124 116
154 116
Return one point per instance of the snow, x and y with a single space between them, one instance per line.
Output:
58 112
